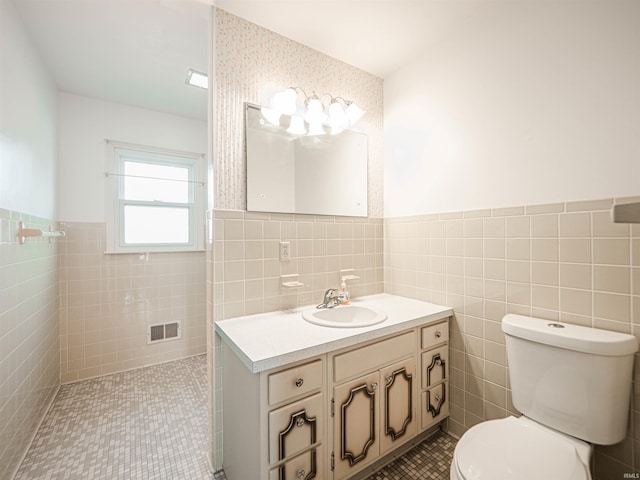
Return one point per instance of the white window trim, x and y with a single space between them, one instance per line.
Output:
114 205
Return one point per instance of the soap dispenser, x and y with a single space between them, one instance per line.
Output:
344 294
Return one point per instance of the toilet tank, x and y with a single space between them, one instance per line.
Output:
573 379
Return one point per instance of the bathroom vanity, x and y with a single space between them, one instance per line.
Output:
303 401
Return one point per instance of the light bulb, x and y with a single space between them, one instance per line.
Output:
285 101
272 116
337 116
354 113
315 112
296 126
316 128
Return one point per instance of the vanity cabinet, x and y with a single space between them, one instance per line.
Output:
374 412
332 411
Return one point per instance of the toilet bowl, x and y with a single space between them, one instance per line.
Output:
519 448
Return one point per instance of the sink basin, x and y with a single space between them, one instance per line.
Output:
345 316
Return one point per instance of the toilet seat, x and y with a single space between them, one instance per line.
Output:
519 448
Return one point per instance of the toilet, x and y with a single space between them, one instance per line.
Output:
572 385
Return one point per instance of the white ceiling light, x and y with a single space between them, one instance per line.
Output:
197 79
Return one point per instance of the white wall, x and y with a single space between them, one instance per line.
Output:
28 111
531 102
85 123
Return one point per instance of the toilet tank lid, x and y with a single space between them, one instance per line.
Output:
573 337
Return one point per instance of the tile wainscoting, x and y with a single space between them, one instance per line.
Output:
564 261
107 301
247 267
29 334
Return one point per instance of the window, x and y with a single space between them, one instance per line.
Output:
155 201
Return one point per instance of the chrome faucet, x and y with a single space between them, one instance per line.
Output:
331 299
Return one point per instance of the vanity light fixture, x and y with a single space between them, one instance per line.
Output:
339 114
197 79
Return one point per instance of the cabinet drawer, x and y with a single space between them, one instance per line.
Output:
435 364
435 405
365 359
295 381
295 427
435 334
303 467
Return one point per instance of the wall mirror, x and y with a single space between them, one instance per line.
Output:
309 174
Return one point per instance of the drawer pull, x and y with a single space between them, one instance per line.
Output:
300 473
299 382
438 361
300 422
438 333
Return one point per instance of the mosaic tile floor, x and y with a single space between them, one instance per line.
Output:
149 424
429 460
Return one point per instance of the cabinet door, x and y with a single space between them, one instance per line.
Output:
356 424
435 364
295 427
435 405
398 404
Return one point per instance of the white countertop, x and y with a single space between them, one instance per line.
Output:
274 339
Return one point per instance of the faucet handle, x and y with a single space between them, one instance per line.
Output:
330 293
330 299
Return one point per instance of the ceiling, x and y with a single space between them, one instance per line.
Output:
135 52
378 36
138 52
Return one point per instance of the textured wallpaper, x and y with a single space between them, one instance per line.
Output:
253 62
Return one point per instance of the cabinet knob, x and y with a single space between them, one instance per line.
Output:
299 382
300 473
389 379
438 333
300 422
374 386
438 361
438 397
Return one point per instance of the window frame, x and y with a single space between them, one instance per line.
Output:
117 154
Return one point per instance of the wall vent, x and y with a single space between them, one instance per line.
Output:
162 332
